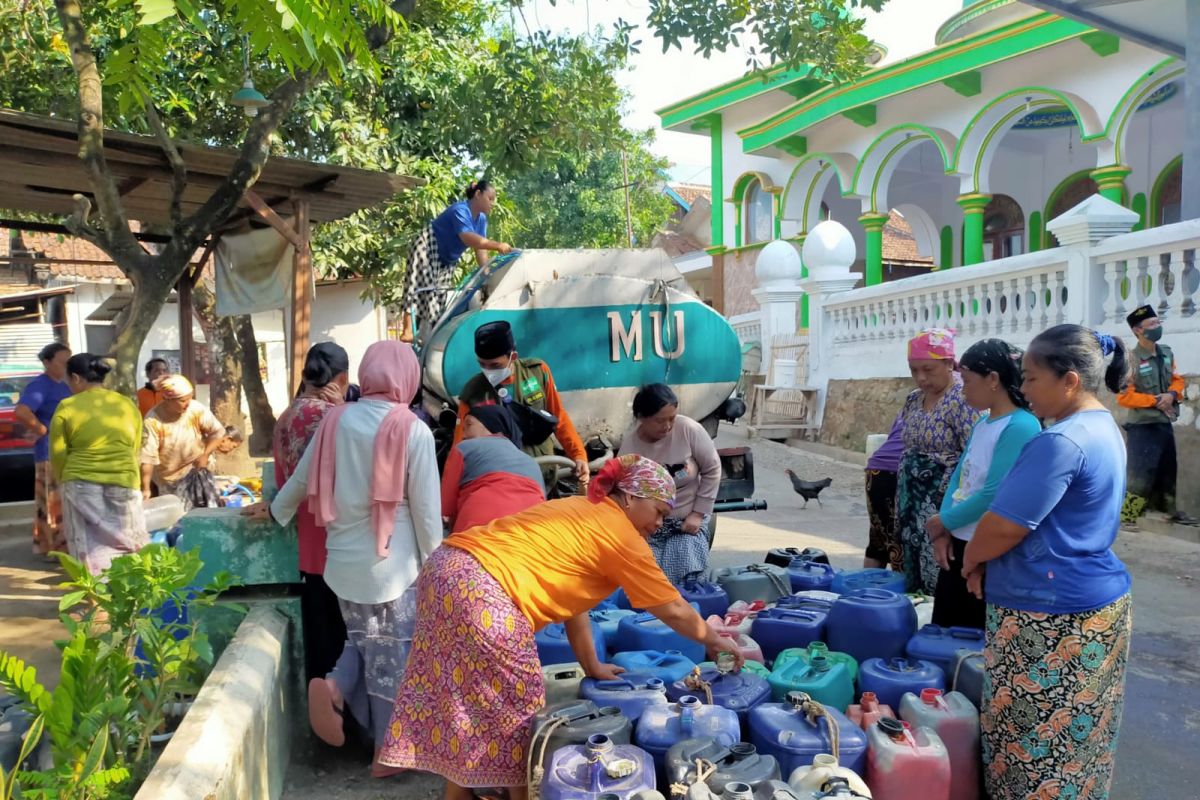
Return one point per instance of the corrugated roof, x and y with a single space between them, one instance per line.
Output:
40 170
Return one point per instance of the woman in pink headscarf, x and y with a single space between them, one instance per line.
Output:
937 422
370 477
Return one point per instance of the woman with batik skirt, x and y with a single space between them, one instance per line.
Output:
1059 612
937 424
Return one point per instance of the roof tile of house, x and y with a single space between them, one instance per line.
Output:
899 244
690 192
67 255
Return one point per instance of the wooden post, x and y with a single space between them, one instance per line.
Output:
302 297
187 346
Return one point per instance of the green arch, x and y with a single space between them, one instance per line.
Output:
1058 190
828 164
738 196
926 133
1060 97
1147 83
1156 191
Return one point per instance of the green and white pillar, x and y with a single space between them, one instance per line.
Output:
873 225
1111 181
973 206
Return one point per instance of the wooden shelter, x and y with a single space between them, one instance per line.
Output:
40 171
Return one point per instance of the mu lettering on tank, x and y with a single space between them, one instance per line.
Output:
606 321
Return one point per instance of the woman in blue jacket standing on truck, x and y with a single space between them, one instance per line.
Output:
436 252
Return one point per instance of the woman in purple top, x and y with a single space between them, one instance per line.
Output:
436 252
34 410
937 425
883 546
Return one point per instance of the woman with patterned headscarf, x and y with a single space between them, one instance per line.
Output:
937 424
474 681
180 435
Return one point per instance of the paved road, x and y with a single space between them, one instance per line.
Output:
1159 739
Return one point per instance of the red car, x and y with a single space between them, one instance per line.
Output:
16 452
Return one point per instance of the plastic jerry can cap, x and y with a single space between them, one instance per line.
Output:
620 767
599 743
742 750
820 663
736 790
893 728
930 697
797 699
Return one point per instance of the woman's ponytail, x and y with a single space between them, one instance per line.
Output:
1117 374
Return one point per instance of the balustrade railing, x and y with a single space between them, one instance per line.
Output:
1015 297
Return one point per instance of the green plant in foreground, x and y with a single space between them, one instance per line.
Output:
122 666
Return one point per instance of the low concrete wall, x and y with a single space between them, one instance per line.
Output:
235 742
855 408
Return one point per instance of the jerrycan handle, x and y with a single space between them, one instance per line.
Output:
872 593
691 579
794 613
808 563
966 633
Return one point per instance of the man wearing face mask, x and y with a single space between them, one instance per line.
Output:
506 378
1152 400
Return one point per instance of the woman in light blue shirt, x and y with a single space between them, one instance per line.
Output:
436 252
991 382
1059 613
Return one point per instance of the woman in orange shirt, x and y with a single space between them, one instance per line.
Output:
474 682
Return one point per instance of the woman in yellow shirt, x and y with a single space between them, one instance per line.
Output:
473 682
95 437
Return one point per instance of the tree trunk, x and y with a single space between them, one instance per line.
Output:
262 418
150 293
225 386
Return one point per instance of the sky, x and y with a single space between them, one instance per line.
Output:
655 79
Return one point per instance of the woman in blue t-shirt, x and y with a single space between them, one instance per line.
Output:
437 250
991 382
1058 606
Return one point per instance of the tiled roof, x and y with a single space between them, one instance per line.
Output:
691 191
899 245
676 244
66 256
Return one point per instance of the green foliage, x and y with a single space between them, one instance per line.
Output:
579 201
821 33
111 697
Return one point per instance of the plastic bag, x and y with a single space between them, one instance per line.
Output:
198 490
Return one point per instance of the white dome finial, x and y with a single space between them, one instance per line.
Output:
778 264
828 245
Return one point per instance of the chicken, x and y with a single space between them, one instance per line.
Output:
809 490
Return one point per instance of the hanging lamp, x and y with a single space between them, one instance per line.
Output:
249 99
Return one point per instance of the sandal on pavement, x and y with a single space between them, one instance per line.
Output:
1180 518
327 718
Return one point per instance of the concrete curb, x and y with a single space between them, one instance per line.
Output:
16 516
829 451
1161 527
235 742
